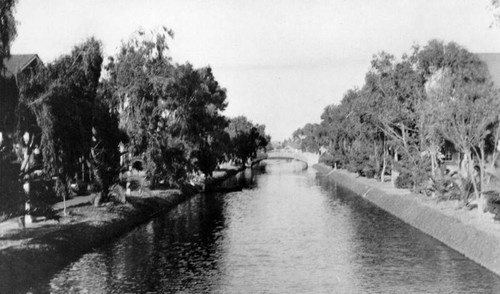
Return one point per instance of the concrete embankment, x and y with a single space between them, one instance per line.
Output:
30 256
474 235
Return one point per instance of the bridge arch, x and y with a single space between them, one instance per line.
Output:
288 155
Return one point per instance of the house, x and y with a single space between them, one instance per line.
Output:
492 60
15 67
20 63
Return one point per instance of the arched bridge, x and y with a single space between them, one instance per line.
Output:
288 155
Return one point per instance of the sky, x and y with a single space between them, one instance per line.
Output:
281 61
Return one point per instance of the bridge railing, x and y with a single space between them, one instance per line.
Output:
290 155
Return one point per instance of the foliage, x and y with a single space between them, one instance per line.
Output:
8 104
409 109
462 105
194 106
404 181
172 113
61 96
246 139
8 29
327 159
307 137
105 140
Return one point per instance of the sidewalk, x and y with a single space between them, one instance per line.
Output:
11 227
80 209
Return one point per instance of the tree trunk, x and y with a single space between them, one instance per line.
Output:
481 204
384 165
63 184
393 171
467 170
464 165
403 131
433 153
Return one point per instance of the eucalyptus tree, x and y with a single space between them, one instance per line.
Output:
140 76
309 136
395 91
171 113
335 136
62 96
106 137
462 104
8 31
246 138
194 105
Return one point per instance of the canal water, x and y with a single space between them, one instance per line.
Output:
290 231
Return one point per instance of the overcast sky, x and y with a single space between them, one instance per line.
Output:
281 61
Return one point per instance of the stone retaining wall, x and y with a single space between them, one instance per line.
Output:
476 243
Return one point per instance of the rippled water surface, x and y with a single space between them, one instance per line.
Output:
291 232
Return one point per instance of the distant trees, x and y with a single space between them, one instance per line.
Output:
407 111
246 139
308 137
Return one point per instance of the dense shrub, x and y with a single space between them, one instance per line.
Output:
327 159
404 181
369 172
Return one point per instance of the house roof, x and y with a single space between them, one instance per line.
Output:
492 60
18 62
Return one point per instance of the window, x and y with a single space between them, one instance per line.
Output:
448 155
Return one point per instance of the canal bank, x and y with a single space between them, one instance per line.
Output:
476 236
30 255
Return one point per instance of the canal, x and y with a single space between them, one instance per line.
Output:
289 232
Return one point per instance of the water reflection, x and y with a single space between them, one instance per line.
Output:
291 232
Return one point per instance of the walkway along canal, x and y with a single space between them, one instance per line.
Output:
290 232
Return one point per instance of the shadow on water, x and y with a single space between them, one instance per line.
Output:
173 252
246 179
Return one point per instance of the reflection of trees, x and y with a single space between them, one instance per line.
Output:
176 251
243 179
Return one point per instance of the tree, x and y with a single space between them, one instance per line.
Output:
194 107
246 138
8 89
62 97
8 31
494 7
308 136
395 90
213 151
106 136
462 104
172 113
141 76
